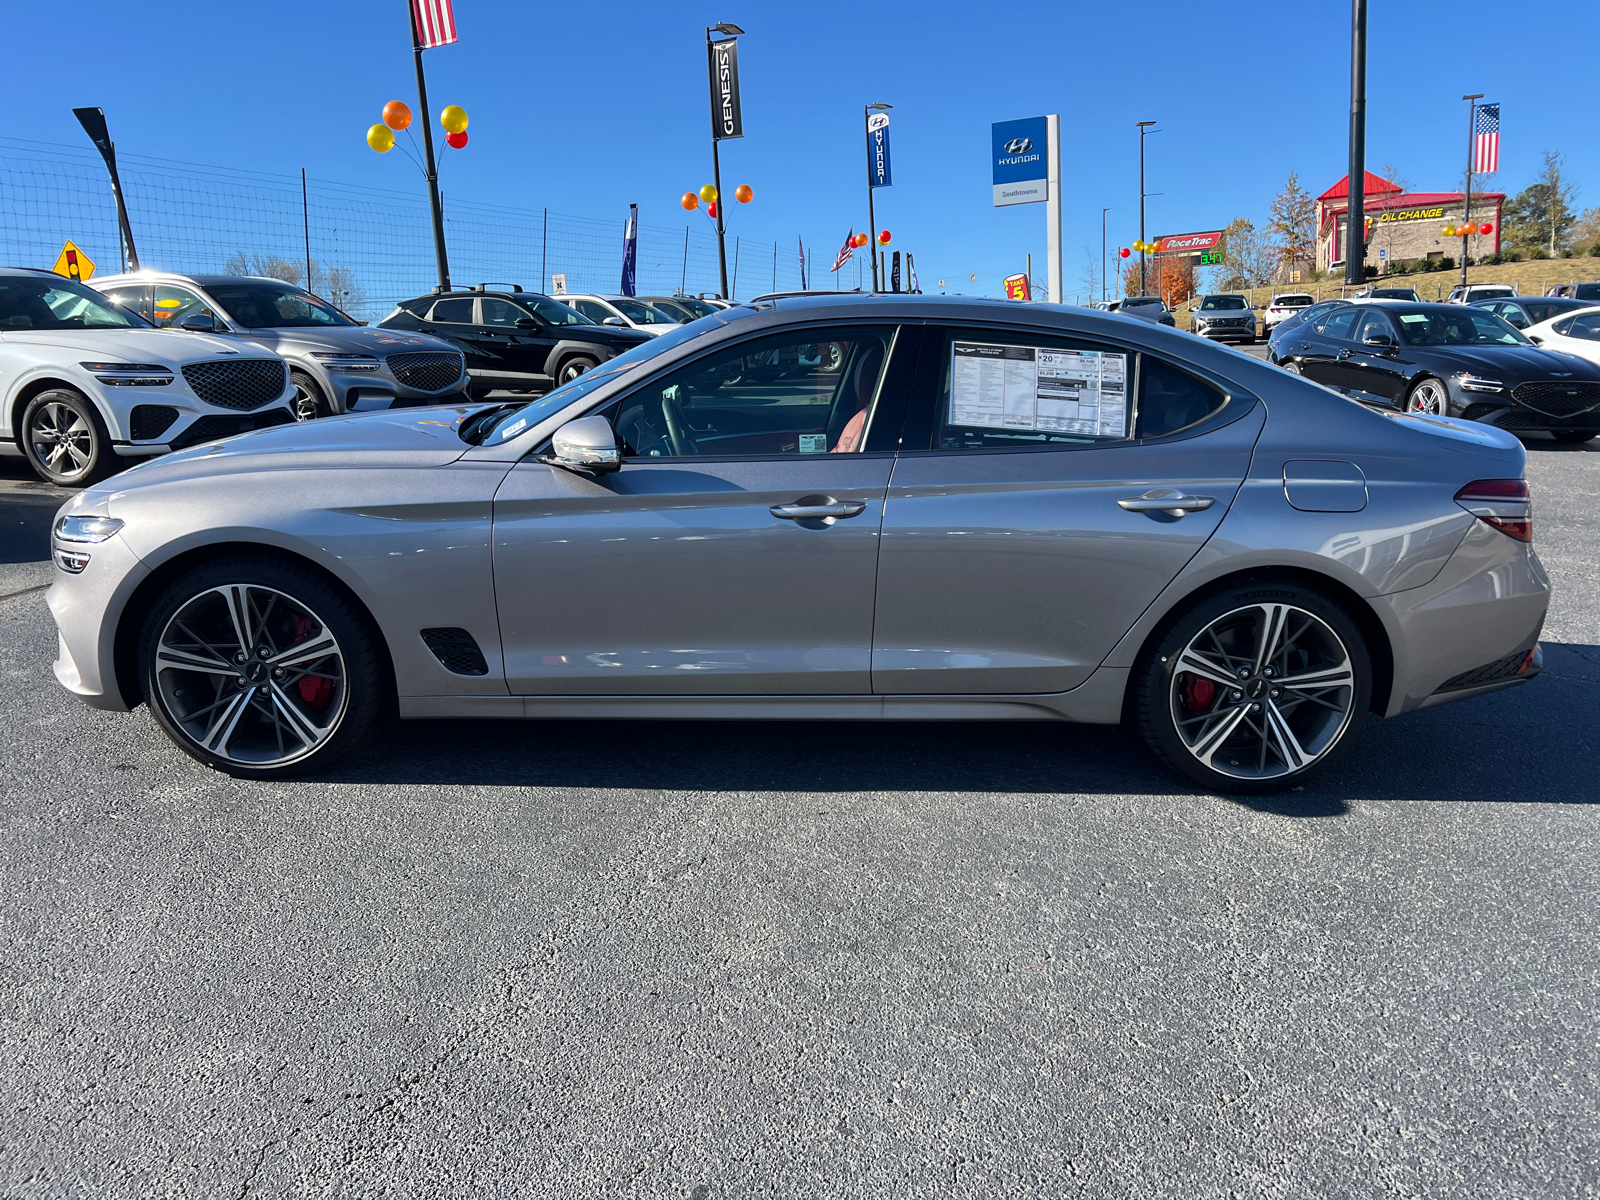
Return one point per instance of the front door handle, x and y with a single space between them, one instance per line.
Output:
1343 354
816 512
1168 500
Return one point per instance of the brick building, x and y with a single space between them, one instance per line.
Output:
1404 225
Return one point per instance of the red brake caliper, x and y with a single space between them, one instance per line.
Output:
314 690
1197 693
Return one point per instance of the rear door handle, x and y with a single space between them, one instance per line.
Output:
1343 354
814 512
1167 500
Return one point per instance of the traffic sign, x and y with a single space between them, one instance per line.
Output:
73 263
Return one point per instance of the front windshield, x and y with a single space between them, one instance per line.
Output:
641 313
553 311
262 304
1216 303
39 303
1464 327
519 420
1139 301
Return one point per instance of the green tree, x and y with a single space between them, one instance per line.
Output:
1541 215
1294 224
1248 258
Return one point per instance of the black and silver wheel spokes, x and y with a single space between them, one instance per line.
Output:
251 675
1264 690
62 439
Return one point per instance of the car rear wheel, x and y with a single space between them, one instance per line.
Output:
309 402
1255 689
1430 398
65 440
1291 366
261 669
574 367
1576 436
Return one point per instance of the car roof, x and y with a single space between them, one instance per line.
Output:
18 272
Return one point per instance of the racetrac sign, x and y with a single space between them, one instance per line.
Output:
1187 244
1020 156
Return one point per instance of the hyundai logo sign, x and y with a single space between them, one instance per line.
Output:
1019 145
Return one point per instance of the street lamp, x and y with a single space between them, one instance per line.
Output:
872 220
727 29
1466 199
1103 213
1142 125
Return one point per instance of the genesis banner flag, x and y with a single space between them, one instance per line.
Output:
630 251
727 121
894 273
878 173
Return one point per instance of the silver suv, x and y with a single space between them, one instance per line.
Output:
1225 315
335 363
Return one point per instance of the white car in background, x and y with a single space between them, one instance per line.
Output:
1284 304
85 384
627 312
1575 333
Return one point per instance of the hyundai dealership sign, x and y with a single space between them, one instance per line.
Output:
1021 161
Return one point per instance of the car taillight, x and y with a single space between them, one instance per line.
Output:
1503 503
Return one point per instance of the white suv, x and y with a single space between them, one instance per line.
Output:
1284 304
625 312
84 383
1479 291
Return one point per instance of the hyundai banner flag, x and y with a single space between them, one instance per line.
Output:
630 251
878 174
727 121
1021 165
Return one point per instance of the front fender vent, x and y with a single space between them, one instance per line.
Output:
457 650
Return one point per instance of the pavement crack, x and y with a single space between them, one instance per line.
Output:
261 1157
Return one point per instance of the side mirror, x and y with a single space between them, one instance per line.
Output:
1536 339
1379 341
587 445
199 322
616 321
527 323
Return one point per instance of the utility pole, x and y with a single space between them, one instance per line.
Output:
432 172
1142 125
872 218
1103 213
727 29
1355 249
1466 208
93 121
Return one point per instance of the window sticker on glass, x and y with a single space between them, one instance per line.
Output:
813 443
1039 388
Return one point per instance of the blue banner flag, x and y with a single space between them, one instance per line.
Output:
630 251
878 174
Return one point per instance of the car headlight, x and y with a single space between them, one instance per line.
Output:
346 362
80 530
129 374
1477 383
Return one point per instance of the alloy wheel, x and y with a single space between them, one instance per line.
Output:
304 404
1263 691
62 439
251 675
1429 397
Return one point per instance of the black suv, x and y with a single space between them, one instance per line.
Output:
516 340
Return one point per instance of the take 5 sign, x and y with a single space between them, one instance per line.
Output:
1021 162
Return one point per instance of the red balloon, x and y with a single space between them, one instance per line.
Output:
883 237
1486 228
711 210
1124 252
456 140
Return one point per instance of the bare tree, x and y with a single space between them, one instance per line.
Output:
1248 259
1091 275
1294 224
343 291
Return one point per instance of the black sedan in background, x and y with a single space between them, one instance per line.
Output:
514 340
1312 312
1447 360
1523 311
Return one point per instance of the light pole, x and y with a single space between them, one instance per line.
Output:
1466 206
1142 125
1355 221
872 220
1103 213
727 29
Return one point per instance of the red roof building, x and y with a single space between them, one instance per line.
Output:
1404 225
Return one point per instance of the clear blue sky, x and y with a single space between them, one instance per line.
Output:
586 107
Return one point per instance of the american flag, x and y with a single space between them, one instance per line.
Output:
1486 145
433 22
846 251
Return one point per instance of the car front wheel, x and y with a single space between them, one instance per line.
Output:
309 403
1255 689
574 367
261 669
64 439
1430 398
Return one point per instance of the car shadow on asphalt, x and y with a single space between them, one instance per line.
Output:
1494 748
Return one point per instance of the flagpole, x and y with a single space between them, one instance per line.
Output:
427 145
1466 198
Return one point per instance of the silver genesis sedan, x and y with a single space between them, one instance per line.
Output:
912 508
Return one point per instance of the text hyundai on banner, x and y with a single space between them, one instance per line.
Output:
878 172
1021 163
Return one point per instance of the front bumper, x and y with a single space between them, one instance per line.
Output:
87 608
1222 333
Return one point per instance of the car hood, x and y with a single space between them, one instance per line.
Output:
1211 314
168 346
416 437
1519 362
358 339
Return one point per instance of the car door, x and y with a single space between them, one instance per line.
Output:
525 351
735 552
1324 346
1024 531
1376 373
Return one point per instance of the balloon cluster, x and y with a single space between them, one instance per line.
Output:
744 193
1467 230
1146 248
883 238
397 116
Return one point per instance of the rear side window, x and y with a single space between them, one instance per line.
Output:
453 312
1338 323
1170 399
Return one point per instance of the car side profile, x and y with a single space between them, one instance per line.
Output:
1574 332
877 507
87 386
1524 312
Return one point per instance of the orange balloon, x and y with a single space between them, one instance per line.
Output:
743 193
690 201
396 115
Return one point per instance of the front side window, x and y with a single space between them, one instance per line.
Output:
1338 323
265 304
1586 326
453 312
641 313
173 304
810 392
593 310
1374 323
134 299
501 313
1459 327
38 303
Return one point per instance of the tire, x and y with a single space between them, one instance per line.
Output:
1428 396
572 367
1292 367
1575 436
281 711
64 439
309 401
1260 736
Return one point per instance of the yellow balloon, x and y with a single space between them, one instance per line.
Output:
708 194
1449 231
453 118
380 138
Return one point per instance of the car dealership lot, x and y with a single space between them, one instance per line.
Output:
717 959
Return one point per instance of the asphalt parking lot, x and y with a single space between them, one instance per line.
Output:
802 960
